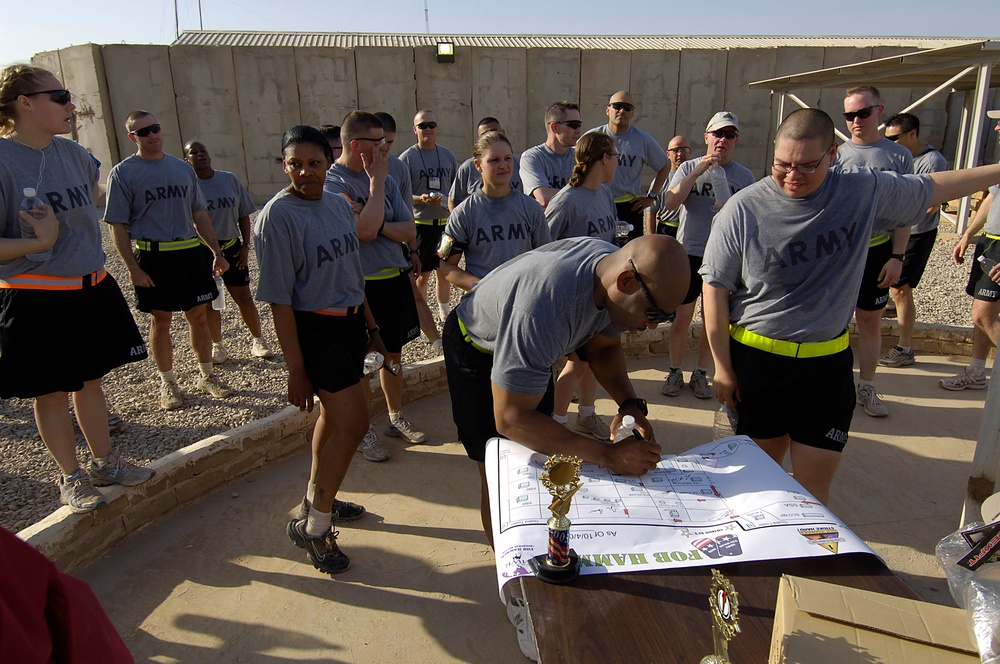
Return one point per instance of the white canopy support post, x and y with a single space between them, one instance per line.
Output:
781 109
986 460
975 125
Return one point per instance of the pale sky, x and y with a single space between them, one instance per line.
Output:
29 27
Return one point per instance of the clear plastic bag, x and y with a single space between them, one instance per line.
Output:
977 592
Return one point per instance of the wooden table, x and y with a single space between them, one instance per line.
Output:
663 616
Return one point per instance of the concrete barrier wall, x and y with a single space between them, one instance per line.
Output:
239 100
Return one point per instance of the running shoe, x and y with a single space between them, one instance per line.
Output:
372 448
594 426
869 398
897 357
212 385
259 348
673 383
517 613
400 427
170 395
966 380
219 353
342 510
699 383
117 470
322 551
77 491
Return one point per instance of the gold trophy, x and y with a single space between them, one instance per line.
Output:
561 564
725 604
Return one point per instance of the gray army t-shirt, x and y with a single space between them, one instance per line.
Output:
491 231
928 161
154 198
436 166
468 180
535 309
992 225
883 155
226 200
308 253
698 208
793 266
581 212
380 253
66 185
542 167
636 148
400 172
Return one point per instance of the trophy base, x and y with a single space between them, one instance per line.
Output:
557 575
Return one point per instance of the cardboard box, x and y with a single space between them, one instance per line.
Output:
822 623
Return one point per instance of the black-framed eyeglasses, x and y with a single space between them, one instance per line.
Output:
863 113
681 149
427 125
622 106
61 97
376 141
725 133
803 169
146 131
572 124
654 314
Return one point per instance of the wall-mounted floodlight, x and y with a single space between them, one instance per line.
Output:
446 52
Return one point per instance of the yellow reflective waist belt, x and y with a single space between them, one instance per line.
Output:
625 198
789 348
992 237
228 243
879 239
385 273
430 222
29 281
170 245
465 335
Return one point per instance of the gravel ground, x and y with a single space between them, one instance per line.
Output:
28 476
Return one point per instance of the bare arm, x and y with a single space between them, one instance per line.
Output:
661 176
715 301
949 185
544 194
978 222
123 245
894 267
677 194
373 214
453 274
401 231
203 226
650 221
246 235
300 388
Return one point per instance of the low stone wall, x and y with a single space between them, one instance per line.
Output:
73 539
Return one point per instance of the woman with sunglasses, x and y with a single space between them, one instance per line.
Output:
310 272
494 224
63 321
584 208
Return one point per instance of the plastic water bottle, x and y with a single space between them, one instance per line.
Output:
373 362
219 303
987 263
30 205
720 185
622 229
624 430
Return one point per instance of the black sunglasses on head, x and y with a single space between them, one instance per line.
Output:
61 97
146 131
863 113
654 313
622 106
427 125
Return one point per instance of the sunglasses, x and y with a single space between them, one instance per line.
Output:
622 106
61 97
654 313
894 137
572 124
427 125
146 131
376 141
724 133
863 113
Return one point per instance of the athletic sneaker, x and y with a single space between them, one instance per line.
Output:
869 398
323 551
259 348
76 491
219 353
170 395
897 357
966 380
699 383
342 510
117 470
214 386
400 427
517 613
673 383
438 346
593 425
372 448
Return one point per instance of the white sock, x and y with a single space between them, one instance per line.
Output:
906 349
561 419
978 367
169 376
444 308
206 368
310 492
318 523
585 411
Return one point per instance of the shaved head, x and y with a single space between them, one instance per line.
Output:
806 124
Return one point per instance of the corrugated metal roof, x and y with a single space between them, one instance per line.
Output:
583 42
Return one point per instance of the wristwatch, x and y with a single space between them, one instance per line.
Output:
655 196
634 401
901 257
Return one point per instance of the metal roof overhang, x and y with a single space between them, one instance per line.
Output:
967 67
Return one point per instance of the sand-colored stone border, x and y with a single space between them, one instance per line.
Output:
71 539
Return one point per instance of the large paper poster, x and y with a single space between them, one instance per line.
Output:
721 502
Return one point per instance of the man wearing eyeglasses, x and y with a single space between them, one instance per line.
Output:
468 179
361 175
658 219
691 193
869 149
782 269
432 172
636 148
904 129
546 168
154 199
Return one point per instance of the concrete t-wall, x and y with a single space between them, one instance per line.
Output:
239 100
